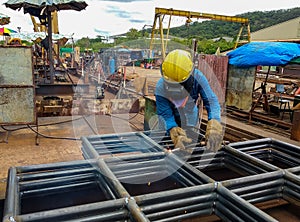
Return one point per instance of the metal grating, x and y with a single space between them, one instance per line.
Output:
117 144
151 183
275 152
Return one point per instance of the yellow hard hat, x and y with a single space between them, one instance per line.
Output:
177 66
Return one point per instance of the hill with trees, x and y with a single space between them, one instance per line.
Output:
205 32
213 29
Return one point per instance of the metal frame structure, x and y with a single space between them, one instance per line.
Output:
275 152
149 183
161 12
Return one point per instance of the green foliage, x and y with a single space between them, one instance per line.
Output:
204 32
213 29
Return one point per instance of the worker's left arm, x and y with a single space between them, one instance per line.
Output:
214 129
210 100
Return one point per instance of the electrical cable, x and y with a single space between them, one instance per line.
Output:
51 137
45 124
133 125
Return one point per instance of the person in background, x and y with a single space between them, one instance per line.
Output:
177 93
111 65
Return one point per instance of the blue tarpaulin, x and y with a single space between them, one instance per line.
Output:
264 53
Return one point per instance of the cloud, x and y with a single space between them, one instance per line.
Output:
137 21
118 12
102 32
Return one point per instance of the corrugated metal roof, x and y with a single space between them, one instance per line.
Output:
286 31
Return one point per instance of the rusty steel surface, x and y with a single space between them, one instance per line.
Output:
215 69
295 131
16 86
16 66
240 87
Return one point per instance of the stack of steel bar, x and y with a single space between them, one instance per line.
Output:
278 153
136 177
117 144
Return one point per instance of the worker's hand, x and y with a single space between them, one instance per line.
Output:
179 136
214 135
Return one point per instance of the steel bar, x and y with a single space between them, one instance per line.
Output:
253 179
69 213
57 188
293 175
262 193
244 205
176 194
283 144
144 177
250 143
292 192
184 179
294 170
188 204
272 145
89 149
123 143
122 164
251 159
121 215
183 216
266 198
137 214
287 158
107 190
238 167
186 176
132 174
242 163
262 185
52 166
111 179
11 206
231 210
40 184
291 150
202 159
173 158
178 203
221 215
50 174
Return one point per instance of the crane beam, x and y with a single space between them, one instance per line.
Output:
190 14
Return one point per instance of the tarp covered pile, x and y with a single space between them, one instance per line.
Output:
264 53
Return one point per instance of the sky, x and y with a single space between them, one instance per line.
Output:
114 17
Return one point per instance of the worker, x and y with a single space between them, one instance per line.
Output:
177 93
111 65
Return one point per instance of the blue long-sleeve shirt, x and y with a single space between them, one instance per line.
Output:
189 113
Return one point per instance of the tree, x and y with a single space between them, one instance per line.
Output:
133 34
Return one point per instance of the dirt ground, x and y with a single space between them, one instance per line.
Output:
18 147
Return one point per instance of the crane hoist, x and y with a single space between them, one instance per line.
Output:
160 12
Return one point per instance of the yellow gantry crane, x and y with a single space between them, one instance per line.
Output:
40 27
161 12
